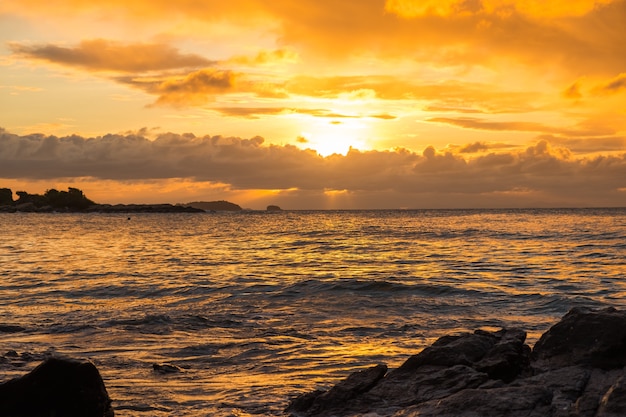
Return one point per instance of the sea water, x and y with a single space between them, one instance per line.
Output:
254 308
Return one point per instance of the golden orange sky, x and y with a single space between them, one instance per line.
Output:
317 104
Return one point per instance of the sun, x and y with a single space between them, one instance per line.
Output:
335 136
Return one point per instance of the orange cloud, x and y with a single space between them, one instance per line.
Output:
195 88
144 9
580 36
414 8
616 84
546 9
278 56
573 91
481 124
106 55
533 8
255 112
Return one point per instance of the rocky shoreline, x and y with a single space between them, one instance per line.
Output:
57 387
576 369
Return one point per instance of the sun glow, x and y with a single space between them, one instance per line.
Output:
336 137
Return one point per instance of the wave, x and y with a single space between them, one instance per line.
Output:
311 287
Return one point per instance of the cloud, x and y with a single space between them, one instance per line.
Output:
195 86
414 8
573 91
616 84
543 9
107 55
438 109
256 112
589 144
275 57
576 36
185 80
475 147
533 8
249 164
447 95
190 89
481 124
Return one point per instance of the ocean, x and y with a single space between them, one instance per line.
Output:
253 308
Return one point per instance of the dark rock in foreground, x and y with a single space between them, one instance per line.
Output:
165 368
576 369
57 387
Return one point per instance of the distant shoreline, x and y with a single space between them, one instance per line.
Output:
103 208
165 208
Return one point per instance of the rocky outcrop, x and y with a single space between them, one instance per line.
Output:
576 369
57 387
215 205
273 208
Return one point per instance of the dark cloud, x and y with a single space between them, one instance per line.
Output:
616 84
102 54
195 88
244 164
474 147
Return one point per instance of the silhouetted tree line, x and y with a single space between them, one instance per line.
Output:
72 199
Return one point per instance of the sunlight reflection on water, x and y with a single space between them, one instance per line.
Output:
257 307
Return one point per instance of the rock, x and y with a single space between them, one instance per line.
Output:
165 368
220 205
613 403
57 387
273 208
10 328
584 336
498 402
500 353
26 207
337 397
577 369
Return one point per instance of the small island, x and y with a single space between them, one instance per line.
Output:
214 205
52 200
74 201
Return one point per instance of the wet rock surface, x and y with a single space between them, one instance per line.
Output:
57 387
576 369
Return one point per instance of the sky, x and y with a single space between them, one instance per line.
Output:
317 104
